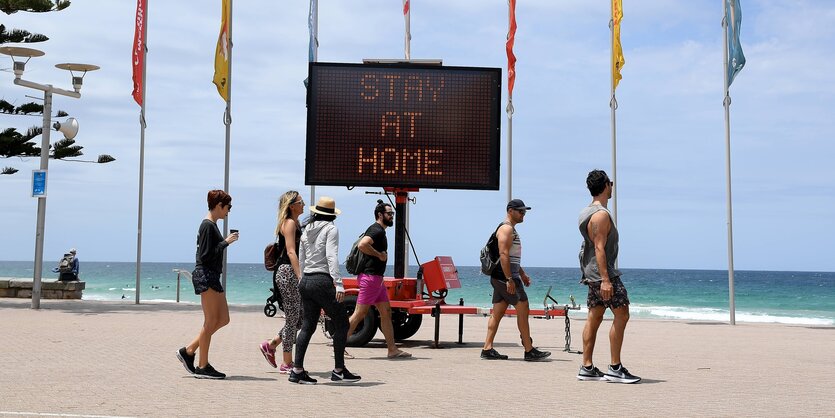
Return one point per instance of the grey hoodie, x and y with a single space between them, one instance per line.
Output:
319 251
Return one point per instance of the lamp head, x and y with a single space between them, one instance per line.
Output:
76 80
16 51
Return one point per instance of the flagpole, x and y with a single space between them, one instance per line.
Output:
141 155
313 24
511 73
227 120
407 14
613 105
727 104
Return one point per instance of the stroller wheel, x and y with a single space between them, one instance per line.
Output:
270 310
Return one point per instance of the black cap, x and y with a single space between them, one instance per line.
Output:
517 204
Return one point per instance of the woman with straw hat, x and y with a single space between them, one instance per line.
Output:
321 289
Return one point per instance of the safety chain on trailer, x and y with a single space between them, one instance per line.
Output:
567 331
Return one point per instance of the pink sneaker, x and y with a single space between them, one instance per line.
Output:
269 353
285 368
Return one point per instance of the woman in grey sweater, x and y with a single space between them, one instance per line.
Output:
321 289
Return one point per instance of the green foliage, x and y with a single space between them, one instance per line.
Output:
35 6
66 148
14 144
6 107
19 36
104 158
28 108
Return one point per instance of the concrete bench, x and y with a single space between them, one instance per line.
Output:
50 289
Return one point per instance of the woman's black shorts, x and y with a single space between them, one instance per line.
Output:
204 280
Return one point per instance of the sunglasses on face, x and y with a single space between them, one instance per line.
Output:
389 213
300 202
521 211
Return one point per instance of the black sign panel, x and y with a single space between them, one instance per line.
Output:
403 125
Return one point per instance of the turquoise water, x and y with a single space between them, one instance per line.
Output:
761 296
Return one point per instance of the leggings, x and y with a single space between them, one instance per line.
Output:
318 293
288 285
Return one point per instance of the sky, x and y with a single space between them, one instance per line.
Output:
671 177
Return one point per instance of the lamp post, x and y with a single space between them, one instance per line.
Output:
48 91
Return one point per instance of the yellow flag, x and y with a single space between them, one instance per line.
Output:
617 51
223 52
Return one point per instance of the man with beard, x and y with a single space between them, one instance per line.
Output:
370 280
598 257
509 281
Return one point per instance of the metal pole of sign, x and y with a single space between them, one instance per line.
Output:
39 229
403 210
313 24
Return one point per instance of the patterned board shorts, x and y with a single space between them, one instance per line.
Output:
619 296
204 280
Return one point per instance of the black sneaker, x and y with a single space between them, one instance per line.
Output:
302 378
208 372
591 373
344 376
621 375
536 355
492 354
186 359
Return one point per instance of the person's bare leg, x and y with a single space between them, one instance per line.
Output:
384 308
493 323
359 314
215 316
593 321
522 310
617 331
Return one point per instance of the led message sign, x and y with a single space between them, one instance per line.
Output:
403 125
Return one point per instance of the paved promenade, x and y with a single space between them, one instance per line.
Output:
88 358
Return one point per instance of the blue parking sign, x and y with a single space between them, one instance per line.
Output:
38 183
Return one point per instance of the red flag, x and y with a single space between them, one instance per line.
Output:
139 50
511 37
405 7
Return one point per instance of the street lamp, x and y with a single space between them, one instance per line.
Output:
48 89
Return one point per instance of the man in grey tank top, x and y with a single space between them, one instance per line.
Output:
509 281
598 257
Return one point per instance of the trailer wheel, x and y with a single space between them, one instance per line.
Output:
366 329
405 324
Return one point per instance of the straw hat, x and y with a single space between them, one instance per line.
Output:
326 206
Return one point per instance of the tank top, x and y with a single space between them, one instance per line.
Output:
515 256
588 259
283 258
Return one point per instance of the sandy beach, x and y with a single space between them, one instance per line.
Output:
92 358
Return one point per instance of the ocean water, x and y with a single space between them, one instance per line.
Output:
806 298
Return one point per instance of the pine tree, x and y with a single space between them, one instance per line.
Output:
16 144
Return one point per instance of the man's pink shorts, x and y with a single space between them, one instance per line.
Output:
372 290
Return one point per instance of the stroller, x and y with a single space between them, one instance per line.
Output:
275 299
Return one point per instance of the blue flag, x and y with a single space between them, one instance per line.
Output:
733 22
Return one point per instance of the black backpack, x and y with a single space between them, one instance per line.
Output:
355 262
489 255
